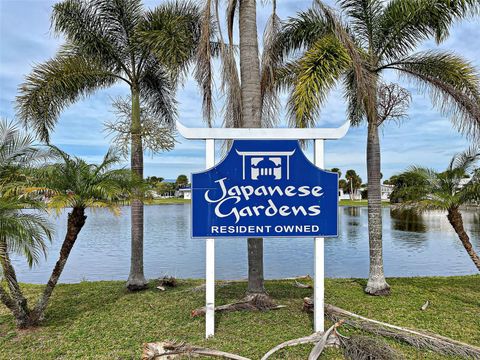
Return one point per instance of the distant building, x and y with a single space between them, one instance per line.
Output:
186 193
463 182
386 191
346 196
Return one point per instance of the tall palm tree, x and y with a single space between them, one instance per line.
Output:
250 99
21 232
109 42
458 185
356 49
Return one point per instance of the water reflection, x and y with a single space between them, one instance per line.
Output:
407 220
352 210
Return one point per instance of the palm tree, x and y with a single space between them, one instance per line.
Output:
372 38
353 182
73 183
458 185
250 99
70 183
109 42
21 232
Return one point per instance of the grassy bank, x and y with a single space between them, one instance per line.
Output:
170 201
100 320
359 203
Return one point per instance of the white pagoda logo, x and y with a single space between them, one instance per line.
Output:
268 165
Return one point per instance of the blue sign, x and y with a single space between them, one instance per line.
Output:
265 188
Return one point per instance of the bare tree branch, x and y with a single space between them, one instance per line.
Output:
393 103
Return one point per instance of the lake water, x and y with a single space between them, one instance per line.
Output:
413 245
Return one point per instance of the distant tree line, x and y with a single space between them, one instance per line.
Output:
162 187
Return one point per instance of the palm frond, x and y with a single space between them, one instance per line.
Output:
56 84
72 182
120 17
102 41
453 84
406 23
171 31
203 68
25 233
230 80
231 9
466 160
301 32
317 72
365 80
364 16
470 192
18 155
269 63
16 148
355 107
158 91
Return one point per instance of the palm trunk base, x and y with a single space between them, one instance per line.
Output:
27 322
136 283
377 288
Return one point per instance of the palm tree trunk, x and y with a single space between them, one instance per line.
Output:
251 115
136 279
249 65
376 284
76 220
255 266
16 302
7 300
455 218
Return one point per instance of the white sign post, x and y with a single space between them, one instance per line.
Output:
210 257
316 134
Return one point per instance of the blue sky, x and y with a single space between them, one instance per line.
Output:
426 138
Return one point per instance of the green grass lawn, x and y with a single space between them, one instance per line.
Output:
100 320
360 203
168 201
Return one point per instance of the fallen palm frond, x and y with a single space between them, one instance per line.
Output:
418 339
320 345
359 347
254 302
168 281
167 350
301 285
415 338
313 338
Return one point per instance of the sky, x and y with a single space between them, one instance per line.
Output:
426 138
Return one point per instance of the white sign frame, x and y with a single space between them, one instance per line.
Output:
316 134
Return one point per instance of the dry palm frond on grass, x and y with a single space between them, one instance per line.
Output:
415 338
359 347
168 281
171 350
254 302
